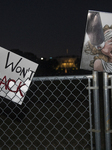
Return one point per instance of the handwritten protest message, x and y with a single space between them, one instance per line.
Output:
16 74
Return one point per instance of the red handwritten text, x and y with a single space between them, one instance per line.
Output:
6 83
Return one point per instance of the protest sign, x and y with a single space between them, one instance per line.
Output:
97 47
16 73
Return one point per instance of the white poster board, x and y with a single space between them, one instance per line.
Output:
16 73
97 47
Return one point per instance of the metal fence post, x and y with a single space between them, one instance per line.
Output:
106 112
96 111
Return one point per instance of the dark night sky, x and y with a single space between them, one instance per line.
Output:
46 27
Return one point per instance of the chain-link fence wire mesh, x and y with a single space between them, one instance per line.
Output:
53 116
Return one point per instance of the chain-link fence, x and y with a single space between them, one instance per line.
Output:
55 115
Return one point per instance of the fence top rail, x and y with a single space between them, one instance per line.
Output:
75 77
109 76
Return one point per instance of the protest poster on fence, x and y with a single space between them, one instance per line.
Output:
97 47
16 74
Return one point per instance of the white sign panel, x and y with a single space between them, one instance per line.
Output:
97 47
16 73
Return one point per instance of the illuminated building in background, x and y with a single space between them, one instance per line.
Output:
67 64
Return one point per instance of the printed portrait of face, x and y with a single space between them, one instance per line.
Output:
97 48
107 49
99 64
